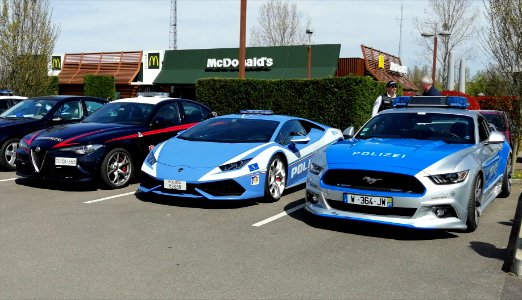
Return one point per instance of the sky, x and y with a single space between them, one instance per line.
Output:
130 25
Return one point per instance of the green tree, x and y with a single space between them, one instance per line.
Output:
27 38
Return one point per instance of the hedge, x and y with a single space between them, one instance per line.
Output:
338 102
99 86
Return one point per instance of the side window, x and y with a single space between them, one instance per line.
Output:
289 130
483 129
71 110
194 112
92 106
4 104
167 115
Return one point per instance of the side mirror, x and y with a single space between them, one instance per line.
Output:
349 132
496 138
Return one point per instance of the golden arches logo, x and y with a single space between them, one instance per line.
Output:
154 61
56 63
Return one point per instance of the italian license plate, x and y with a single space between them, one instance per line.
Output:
175 185
368 200
65 161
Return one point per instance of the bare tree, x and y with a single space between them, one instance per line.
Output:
456 17
279 24
503 42
27 39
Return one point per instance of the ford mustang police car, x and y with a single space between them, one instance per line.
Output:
429 163
253 154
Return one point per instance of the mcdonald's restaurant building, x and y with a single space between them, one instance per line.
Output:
175 72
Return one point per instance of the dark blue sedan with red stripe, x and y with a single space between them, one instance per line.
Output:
109 145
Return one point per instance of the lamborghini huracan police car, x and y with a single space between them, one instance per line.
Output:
428 163
253 154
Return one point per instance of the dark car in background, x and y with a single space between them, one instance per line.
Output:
38 113
500 120
109 145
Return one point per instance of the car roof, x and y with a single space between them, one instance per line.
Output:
148 100
450 111
12 97
279 118
62 97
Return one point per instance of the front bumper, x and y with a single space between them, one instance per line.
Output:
409 210
44 167
239 188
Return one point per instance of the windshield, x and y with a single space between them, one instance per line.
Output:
31 108
121 113
455 129
232 130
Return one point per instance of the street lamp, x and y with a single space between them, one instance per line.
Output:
309 66
434 35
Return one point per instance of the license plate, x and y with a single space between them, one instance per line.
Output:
368 200
175 185
65 161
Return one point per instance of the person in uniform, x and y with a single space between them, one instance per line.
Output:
385 100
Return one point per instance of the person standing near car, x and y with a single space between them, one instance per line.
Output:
385 100
427 86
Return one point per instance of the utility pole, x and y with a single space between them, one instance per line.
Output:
400 32
173 30
242 39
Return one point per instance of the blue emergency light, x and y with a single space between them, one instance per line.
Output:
431 101
6 93
256 112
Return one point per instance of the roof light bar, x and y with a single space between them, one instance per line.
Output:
431 101
256 112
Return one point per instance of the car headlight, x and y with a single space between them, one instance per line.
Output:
23 144
315 169
83 149
151 159
450 178
235 165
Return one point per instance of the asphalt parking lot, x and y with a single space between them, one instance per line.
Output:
77 241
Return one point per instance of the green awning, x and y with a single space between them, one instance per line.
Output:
283 62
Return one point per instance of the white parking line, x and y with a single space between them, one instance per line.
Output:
108 198
8 179
280 215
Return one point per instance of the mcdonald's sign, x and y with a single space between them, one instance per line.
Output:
56 63
154 61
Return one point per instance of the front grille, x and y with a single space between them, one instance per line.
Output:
222 188
38 159
372 210
374 181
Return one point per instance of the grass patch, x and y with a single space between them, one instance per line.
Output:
517 174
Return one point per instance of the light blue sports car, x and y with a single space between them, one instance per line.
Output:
428 164
254 154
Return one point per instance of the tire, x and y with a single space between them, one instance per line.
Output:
275 181
117 169
475 198
506 180
8 154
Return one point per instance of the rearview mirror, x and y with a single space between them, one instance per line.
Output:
349 132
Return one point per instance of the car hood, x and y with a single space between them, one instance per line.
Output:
11 122
389 154
196 154
80 133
